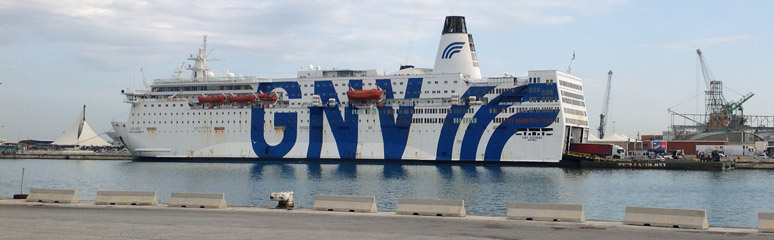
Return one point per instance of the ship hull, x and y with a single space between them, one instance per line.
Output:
507 126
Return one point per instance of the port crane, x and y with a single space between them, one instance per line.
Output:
603 116
719 112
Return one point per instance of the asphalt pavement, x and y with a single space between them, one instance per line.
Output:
21 220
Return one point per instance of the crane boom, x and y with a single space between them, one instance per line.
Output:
705 72
714 101
603 116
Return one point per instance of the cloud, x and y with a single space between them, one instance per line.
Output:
707 42
720 40
289 30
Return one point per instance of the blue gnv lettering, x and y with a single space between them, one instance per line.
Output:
395 131
287 120
345 131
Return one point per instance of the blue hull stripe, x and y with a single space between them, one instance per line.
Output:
449 130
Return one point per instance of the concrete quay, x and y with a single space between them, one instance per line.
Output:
754 165
68 155
84 220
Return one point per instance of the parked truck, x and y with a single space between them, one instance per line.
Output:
599 149
726 150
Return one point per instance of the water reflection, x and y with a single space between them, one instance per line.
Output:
469 172
347 170
445 171
494 173
313 171
256 171
393 171
288 172
731 198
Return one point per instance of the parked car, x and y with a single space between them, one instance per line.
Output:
761 156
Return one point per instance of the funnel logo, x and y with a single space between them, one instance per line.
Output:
451 49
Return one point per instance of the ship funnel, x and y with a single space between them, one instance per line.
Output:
456 52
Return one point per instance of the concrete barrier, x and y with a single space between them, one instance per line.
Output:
666 217
198 200
52 195
344 203
766 222
126 198
431 207
546 212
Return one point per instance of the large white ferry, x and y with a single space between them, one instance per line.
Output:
448 113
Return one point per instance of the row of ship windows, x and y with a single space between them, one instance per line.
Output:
576 121
187 122
370 84
399 92
394 111
531 90
413 111
572 95
520 131
165 105
503 90
526 120
542 99
571 85
187 113
537 80
524 110
574 112
573 102
201 88
399 121
200 131
547 92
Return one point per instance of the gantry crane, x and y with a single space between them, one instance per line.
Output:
720 114
603 116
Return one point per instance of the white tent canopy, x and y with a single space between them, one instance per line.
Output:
593 138
80 134
615 137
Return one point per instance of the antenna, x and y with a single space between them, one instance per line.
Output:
179 71
144 81
603 117
569 66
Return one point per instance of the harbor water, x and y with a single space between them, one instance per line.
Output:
731 198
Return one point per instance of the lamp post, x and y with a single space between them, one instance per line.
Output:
614 127
2 127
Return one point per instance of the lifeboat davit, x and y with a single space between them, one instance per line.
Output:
364 95
234 98
215 99
270 97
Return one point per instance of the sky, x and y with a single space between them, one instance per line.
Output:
56 56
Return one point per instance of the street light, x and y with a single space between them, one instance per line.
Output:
613 126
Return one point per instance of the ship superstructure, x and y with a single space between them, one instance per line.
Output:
448 113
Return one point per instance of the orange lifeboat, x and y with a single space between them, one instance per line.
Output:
270 97
364 95
215 99
234 98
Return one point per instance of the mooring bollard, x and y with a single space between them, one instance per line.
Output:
284 199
